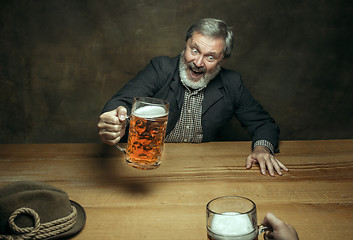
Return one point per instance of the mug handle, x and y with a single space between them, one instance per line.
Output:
120 148
116 145
261 229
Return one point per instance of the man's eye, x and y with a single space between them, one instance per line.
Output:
210 58
194 50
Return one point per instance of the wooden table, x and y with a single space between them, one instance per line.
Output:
121 202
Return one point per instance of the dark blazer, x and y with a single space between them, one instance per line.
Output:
225 97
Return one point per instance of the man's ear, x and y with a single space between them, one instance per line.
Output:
223 61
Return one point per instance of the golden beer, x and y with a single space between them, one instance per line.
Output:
146 136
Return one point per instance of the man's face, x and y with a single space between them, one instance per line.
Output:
203 58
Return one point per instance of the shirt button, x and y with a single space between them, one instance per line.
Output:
187 127
189 111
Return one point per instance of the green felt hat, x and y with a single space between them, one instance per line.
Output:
34 210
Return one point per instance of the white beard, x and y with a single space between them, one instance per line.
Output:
192 84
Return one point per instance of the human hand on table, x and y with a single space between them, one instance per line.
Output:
279 230
262 156
111 125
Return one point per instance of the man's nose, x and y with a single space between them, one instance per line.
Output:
199 61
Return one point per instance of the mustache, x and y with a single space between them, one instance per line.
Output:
196 68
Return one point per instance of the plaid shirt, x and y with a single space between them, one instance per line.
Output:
188 128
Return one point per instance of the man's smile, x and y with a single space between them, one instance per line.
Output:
194 72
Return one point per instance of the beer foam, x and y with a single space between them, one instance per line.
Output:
231 224
150 112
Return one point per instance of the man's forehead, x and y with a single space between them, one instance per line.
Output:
213 44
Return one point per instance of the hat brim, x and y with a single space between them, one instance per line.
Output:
80 223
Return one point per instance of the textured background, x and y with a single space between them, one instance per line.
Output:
60 61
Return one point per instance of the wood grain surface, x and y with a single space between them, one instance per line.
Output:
121 202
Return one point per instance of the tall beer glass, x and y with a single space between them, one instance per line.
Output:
232 218
148 124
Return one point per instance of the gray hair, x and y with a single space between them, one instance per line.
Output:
214 28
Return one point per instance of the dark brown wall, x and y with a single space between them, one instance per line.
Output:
60 61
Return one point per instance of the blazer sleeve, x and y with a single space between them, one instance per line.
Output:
252 116
146 83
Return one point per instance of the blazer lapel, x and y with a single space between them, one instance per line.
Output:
212 93
177 89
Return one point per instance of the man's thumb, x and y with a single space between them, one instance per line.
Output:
121 113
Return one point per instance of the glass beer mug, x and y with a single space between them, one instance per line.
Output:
147 129
232 218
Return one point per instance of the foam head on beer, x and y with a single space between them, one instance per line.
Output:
150 112
231 224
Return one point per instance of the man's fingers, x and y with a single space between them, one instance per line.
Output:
276 165
282 166
266 162
109 118
110 127
262 164
249 162
109 135
116 116
111 138
271 220
269 165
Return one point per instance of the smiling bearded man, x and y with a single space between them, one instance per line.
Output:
199 83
